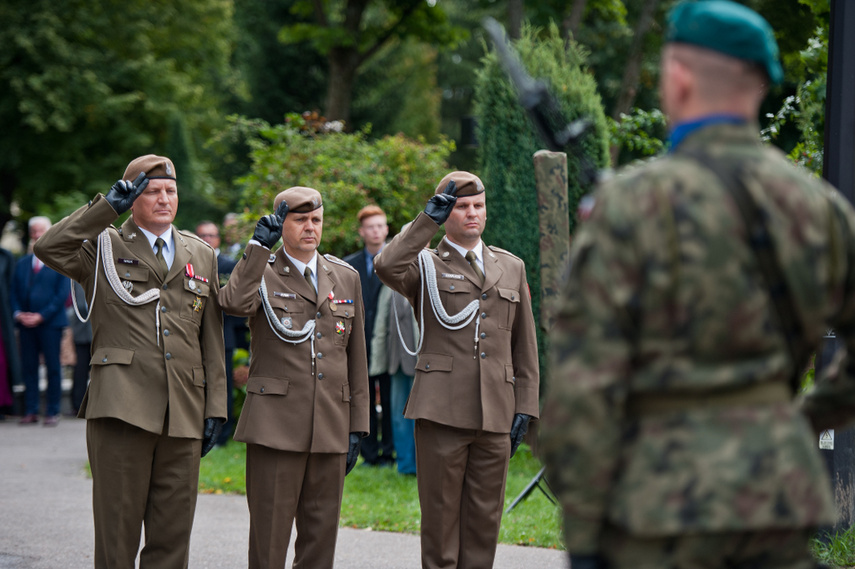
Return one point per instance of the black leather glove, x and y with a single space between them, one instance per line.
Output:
518 430
123 193
268 230
587 562
213 428
353 451
439 206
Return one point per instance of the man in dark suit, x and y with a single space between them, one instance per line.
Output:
10 364
38 307
233 326
373 230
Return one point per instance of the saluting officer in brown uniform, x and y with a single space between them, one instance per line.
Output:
477 373
306 406
156 399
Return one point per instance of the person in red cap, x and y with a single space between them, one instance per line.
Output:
156 399
477 377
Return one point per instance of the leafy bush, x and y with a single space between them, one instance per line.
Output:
641 133
349 169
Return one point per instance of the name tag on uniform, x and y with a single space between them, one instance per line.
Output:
285 295
127 261
451 276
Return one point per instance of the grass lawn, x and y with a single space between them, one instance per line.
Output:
381 499
836 550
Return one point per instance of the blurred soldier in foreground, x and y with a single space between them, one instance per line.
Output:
157 395
477 375
670 433
306 406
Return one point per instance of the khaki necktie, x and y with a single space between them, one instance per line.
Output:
164 268
473 260
307 272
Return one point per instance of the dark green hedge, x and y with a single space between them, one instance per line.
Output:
507 142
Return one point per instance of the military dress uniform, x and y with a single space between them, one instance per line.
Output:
299 409
466 391
157 374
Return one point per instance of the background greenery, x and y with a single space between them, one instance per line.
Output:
85 86
509 142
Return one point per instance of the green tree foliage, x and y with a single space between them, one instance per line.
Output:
85 86
508 142
806 109
350 170
641 134
398 91
351 32
280 77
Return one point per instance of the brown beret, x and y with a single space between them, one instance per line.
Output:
299 199
153 166
467 184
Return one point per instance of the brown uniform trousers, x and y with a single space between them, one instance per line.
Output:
465 395
297 416
149 394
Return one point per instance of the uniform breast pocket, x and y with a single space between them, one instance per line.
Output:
343 325
134 279
455 294
290 311
508 310
194 298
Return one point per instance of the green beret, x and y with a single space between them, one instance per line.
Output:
728 28
467 184
299 199
153 166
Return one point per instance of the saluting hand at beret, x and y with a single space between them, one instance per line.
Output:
123 193
268 230
439 206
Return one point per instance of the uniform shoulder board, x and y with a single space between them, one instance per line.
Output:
337 261
194 236
503 251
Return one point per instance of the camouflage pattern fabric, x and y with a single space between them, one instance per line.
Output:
664 302
767 549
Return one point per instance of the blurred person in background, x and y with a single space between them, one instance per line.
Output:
38 307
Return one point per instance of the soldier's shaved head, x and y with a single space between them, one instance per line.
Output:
696 81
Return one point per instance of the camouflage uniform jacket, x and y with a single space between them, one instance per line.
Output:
665 302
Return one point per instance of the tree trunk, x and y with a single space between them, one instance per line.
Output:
571 23
632 71
8 186
344 63
516 13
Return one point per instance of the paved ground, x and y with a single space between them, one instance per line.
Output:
46 515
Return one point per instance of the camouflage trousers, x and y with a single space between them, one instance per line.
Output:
772 549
